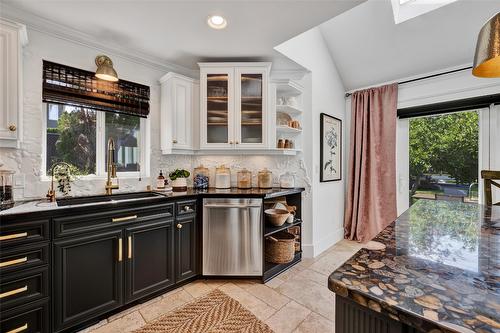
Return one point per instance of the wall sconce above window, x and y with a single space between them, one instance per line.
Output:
487 58
105 70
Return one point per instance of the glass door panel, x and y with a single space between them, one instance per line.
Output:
217 108
251 108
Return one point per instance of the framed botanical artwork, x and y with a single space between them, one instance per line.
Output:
331 148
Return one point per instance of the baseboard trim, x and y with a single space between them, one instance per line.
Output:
315 249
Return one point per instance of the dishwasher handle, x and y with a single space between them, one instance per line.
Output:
232 206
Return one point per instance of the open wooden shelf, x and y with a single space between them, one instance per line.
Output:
292 111
288 130
269 230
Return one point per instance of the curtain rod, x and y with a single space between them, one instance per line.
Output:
427 77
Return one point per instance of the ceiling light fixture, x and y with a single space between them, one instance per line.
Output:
217 22
105 70
487 58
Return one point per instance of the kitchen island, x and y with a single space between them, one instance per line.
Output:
440 272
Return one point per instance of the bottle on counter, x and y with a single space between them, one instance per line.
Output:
244 179
160 181
265 179
222 177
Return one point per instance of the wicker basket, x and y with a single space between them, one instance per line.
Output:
280 247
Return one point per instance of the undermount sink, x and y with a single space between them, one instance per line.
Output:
106 198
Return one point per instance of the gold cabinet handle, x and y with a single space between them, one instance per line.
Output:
14 236
230 142
130 247
126 218
13 262
237 142
174 141
179 226
12 128
19 329
187 208
13 292
120 251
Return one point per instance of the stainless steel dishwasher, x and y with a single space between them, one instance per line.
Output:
232 237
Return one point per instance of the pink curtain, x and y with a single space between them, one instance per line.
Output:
371 192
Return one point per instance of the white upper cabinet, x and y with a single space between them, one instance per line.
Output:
12 38
179 113
234 105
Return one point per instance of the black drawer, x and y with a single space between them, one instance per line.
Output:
32 318
76 224
17 233
185 207
23 257
24 287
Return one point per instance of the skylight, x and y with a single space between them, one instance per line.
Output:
404 10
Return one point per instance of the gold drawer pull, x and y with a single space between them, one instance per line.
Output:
120 252
13 262
126 218
13 292
130 247
14 236
179 226
19 329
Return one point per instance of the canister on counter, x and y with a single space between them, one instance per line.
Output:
265 179
222 177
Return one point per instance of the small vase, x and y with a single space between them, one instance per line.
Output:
179 185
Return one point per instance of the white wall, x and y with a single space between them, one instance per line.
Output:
27 161
309 50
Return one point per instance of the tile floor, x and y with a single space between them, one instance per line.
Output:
297 300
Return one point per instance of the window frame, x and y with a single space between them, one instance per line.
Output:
101 143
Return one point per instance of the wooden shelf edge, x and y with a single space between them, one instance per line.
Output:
269 230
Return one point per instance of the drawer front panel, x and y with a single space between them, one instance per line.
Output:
32 318
185 207
28 286
19 233
74 225
23 257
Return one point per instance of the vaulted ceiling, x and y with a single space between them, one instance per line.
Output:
369 48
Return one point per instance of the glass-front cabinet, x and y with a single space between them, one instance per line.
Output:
233 105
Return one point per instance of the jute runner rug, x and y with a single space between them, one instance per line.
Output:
213 313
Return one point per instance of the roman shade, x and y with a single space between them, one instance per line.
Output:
72 86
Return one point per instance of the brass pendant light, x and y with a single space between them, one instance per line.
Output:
105 70
487 58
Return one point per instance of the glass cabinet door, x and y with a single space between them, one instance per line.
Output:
218 119
251 109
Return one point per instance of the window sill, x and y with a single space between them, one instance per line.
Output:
101 178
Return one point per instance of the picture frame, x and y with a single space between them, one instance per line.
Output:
330 148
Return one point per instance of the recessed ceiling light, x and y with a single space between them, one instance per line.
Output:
217 22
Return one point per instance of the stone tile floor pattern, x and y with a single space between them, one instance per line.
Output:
297 300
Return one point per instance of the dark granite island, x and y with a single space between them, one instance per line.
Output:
440 272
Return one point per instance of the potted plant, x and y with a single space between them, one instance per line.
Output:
178 177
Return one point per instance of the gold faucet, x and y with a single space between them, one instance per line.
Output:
111 168
51 193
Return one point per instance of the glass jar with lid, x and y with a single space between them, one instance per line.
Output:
201 177
6 189
244 179
287 180
265 179
222 177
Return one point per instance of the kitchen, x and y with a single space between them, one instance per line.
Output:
233 136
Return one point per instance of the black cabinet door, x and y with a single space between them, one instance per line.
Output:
186 248
88 277
150 259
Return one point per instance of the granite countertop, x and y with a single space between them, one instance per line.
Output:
440 269
42 205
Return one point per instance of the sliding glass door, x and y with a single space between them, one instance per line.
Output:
440 156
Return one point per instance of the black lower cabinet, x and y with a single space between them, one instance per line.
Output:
88 277
186 248
150 259
350 317
30 318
